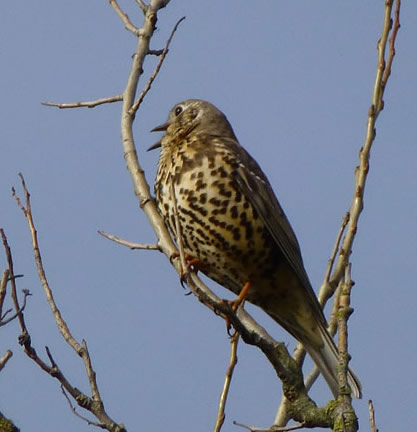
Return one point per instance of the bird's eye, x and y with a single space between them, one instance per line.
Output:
178 110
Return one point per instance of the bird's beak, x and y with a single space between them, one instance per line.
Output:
154 146
160 128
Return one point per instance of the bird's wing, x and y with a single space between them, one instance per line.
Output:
255 186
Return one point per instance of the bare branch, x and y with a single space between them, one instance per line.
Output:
142 5
372 417
227 381
329 285
362 170
85 104
4 321
155 52
125 18
343 315
12 279
3 288
95 404
326 290
271 428
129 244
3 361
62 325
392 40
76 413
164 53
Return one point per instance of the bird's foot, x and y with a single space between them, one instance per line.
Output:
236 303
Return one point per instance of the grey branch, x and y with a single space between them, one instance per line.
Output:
127 243
3 361
85 104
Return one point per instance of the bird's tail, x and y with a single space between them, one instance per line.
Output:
326 358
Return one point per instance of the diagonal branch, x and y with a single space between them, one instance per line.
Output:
361 172
125 18
164 53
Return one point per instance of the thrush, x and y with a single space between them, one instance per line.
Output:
231 222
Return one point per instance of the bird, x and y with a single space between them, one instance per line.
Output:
232 224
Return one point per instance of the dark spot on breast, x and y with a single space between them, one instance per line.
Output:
198 208
216 202
200 185
236 234
233 212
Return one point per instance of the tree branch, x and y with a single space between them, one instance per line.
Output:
125 18
164 53
227 381
350 222
93 404
129 244
85 104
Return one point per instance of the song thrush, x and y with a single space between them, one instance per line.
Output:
232 223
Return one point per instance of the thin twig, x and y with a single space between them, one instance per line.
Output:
85 104
271 428
148 85
142 5
3 361
372 417
392 40
3 288
76 413
125 18
325 290
131 245
155 52
62 325
227 381
17 313
12 279
91 373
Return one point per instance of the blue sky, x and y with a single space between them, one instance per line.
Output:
295 79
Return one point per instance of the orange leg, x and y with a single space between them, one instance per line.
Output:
190 263
240 299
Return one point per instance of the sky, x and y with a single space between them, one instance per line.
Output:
295 80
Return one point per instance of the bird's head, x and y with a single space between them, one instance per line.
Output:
194 116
